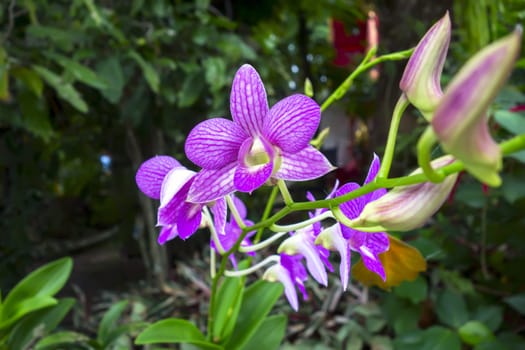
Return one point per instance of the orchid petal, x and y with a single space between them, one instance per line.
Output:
248 102
241 208
214 143
373 170
279 273
332 239
375 244
247 179
173 183
188 219
209 185
307 164
220 211
151 173
167 233
169 209
353 207
292 122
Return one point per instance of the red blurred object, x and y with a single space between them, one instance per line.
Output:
347 44
518 108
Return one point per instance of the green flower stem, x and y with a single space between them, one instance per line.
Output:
252 269
302 224
267 212
424 148
386 161
235 212
365 64
213 232
255 247
284 192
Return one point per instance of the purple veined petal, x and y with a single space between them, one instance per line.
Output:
373 170
167 233
188 219
298 274
220 211
339 243
376 244
209 185
173 183
151 173
307 164
356 239
292 122
169 211
214 143
353 207
248 179
248 102
279 273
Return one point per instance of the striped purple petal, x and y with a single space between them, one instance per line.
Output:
151 173
292 122
188 219
375 244
167 233
220 211
248 102
214 143
307 164
209 185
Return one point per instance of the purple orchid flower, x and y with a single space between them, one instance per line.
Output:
259 144
291 273
164 178
345 239
232 232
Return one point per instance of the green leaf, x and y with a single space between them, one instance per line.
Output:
111 70
227 306
79 71
30 79
64 89
513 187
55 340
475 332
415 291
519 156
269 335
35 117
258 300
513 122
491 316
215 72
149 72
125 329
451 309
517 302
191 89
174 330
37 288
110 321
39 323
440 338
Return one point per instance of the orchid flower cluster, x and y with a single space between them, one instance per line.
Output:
263 146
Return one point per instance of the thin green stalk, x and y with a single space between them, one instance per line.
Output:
386 162
235 212
363 66
424 148
266 213
284 192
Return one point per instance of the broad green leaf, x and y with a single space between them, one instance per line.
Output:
174 330
60 339
129 329
79 71
64 39
269 335
215 72
451 309
520 156
402 315
39 323
258 300
475 332
513 122
15 312
415 291
517 302
4 76
110 320
440 338
491 316
37 287
64 89
227 306
191 89
30 79
513 187
35 114
151 75
110 70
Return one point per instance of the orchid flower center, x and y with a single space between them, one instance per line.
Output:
257 154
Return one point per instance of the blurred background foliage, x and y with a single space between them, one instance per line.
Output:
90 89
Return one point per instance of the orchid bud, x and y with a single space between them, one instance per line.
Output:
460 120
421 78
406 208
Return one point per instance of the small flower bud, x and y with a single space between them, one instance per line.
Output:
405 208
460 120
421 78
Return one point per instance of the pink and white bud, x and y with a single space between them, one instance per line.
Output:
460 120
421 78
405 208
